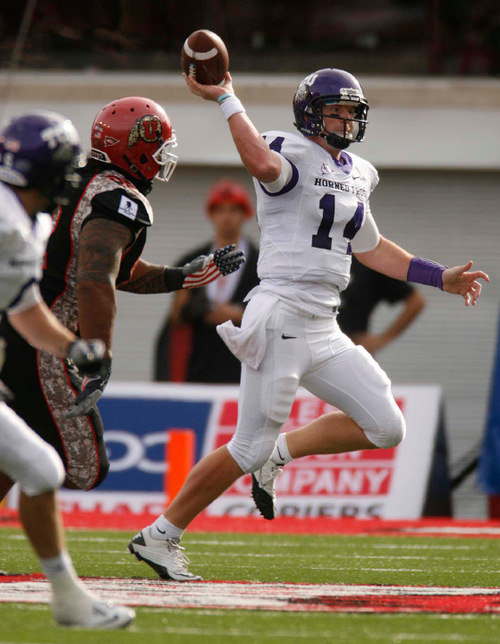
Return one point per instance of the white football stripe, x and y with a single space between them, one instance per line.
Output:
246 595
200 55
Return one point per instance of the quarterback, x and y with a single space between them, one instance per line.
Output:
313 210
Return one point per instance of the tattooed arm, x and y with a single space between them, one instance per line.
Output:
148 278
100 249
200 271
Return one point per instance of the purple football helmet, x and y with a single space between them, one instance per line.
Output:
327 86
40 150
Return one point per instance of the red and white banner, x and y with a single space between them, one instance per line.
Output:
387 483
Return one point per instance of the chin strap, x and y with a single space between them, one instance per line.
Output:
335 141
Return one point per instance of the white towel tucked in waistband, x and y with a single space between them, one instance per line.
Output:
248 343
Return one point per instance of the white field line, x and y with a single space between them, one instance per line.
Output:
235 595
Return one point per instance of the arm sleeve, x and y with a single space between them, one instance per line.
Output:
368 235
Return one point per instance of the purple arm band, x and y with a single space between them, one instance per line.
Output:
423 271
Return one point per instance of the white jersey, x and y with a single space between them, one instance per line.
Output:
22 248
309 228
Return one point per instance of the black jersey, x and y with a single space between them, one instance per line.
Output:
105 194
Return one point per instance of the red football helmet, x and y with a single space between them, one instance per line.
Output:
228 191
135 134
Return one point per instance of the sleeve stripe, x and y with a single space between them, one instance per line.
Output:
290 185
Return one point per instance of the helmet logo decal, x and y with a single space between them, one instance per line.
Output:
309 80
351 93
54 135
98 130
148 128
109 140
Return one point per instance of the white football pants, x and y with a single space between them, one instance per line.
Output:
25 457
302 349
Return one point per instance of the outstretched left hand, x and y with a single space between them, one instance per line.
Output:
206 268
458 280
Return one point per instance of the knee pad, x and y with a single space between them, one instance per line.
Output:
251 450
44 471
389 431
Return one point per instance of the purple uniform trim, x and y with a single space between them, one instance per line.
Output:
344 163
424 271
289 186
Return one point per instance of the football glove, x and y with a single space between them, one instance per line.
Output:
206 268
87 355
93 388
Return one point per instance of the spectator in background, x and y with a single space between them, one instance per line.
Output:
189 347
366 290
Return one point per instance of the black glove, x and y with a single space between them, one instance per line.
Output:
206 268
92 391
87 355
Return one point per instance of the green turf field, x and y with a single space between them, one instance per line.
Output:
272 558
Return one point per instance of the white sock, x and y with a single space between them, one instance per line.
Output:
66 587
281 455
163 529
59 567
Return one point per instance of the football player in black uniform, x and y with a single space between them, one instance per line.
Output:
95 248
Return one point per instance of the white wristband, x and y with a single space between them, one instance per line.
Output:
231 105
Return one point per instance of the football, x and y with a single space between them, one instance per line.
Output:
205 57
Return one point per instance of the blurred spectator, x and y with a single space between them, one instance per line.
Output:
366 290
189 348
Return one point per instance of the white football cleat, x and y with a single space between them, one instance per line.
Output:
95 614
264 488
166 557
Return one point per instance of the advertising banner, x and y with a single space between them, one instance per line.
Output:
389 483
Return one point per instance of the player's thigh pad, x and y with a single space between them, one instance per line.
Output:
265 402
25 457
355 383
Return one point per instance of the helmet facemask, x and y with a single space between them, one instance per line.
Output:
353 127
166 159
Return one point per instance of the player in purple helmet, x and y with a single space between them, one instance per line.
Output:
313 210
39 153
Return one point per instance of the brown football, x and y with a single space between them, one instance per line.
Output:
205 57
